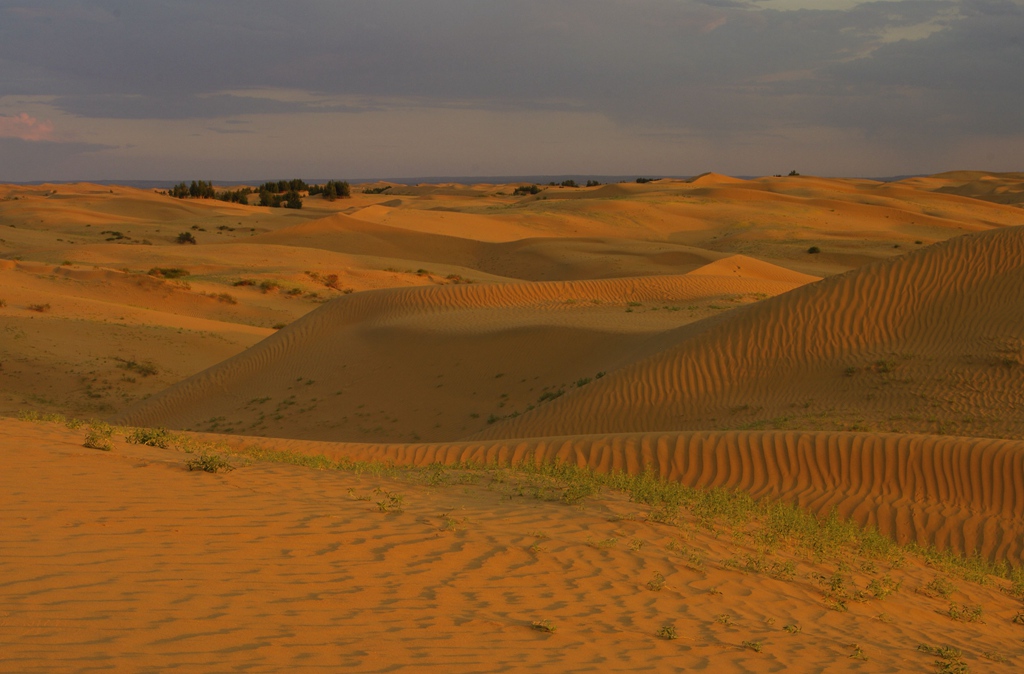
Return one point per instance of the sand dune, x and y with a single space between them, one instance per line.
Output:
533 259
680 327
431 363
124 559
930 338
961 494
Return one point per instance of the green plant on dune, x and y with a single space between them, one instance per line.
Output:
98 437
667 632
154 437
209 463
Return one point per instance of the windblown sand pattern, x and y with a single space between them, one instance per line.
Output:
126 560
960 494
848 346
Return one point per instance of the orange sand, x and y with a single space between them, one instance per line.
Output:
677 326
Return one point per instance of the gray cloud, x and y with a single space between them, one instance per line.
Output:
711 67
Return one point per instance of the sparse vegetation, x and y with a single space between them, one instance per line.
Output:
667 632
146 369
209 463
965 613
98 437
389 502
41 308
168 272
814 250
940 587
657 583
186 237
154 437
950 659
544 626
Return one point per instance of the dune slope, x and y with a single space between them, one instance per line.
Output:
443 361
930 341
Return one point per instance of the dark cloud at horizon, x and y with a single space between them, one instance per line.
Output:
908 74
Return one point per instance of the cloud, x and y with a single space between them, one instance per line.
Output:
906 71
25 127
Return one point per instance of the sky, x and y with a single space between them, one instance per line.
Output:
350 89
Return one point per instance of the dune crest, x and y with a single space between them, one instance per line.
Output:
939 328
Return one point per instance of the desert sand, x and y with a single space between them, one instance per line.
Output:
677 329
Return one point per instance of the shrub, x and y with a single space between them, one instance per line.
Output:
209 463
667 632
145 369
813 250
39 307
186 237
153 437
98 437
525 189
168 272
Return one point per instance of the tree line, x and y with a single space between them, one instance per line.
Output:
274 194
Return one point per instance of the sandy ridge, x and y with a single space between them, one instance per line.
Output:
450 307
963 494
953 301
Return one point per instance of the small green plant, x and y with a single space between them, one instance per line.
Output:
950 659
1019 618
756 646
884 586
667 632
39 307
965 613
858 653
154 437
168 272
544 626
657 583
209 463
268 286
98 437
146 369
579 487
793 628
637 544
994 657
724 619
940 587
390 502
